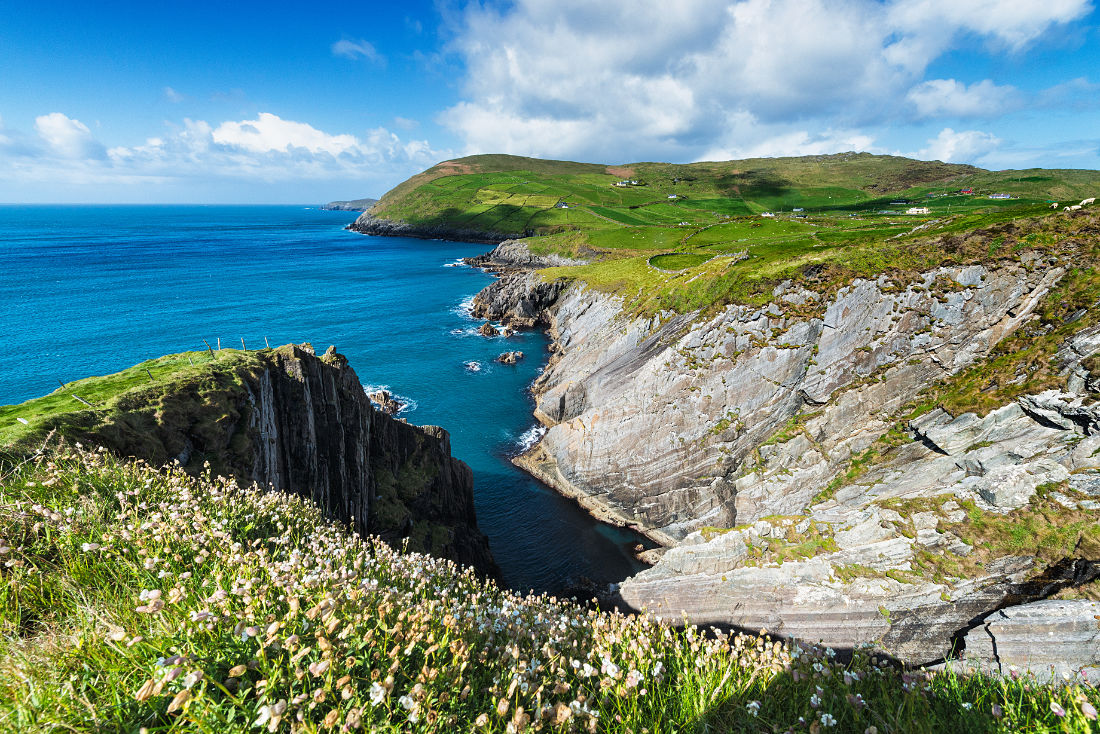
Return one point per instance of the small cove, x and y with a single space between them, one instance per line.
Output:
94 289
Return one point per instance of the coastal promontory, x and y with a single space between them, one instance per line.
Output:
284 418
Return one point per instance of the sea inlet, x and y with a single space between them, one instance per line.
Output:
90 290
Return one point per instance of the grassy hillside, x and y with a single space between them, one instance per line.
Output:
171 603
151 410
709 218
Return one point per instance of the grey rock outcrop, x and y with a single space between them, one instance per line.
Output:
714 435
510 357
661 421
865 584
1049 638
518 299
515 255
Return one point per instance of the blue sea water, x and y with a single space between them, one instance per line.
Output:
90 290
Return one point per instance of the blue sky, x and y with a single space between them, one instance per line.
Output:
280 102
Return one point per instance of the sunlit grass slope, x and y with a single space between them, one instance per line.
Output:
736 228
134 599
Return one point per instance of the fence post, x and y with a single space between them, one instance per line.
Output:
210 348
243 347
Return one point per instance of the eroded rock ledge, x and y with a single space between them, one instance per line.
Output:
726 438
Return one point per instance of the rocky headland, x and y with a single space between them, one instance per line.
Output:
783 458
354 205
367 223
300 423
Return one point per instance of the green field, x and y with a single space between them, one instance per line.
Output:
775 217
677 260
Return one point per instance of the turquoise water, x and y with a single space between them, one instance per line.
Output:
91 290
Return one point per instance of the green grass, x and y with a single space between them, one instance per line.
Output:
62 409
136 598
678 260
717 212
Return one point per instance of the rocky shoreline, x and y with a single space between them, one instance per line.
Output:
720 437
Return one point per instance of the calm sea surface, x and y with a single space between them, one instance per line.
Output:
90 290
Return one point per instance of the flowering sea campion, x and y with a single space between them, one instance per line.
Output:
201 604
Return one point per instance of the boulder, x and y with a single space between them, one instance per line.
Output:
386 402
487 329
510 357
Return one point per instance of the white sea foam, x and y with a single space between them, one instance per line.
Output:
408 405
464 306
531 436
459 263
472 366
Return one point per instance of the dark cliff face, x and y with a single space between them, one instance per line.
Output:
370 224
315 432
520 299
302 423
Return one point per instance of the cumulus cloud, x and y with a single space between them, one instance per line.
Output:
358 49
270 132
795 143
1009 23
67 137
950 98
266 148
614 81
965 146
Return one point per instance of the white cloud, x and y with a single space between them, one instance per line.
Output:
358 49
270 132
622 81
172 95
67 137
795 143
950 98
965 146
1012 23
264 149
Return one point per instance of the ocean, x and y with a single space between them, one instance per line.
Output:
90 290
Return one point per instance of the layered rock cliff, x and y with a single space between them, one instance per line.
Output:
735 439
303 424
